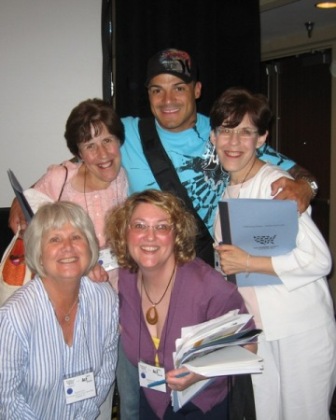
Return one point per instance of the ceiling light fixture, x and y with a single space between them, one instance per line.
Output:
326 5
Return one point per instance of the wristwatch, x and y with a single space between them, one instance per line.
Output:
313 185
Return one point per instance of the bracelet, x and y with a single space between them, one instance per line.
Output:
247 271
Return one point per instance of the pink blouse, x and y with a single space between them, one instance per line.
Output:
96 203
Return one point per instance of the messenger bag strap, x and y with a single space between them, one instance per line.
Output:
168 180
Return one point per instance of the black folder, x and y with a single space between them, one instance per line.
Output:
27 210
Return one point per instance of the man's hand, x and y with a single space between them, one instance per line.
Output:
98 274
16 219
289 189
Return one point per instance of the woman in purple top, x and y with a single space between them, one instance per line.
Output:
162 288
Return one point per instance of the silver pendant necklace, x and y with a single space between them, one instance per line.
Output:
67 316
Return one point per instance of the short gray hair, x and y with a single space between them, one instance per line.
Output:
54 216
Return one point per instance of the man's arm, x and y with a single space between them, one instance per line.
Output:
302 189
284 188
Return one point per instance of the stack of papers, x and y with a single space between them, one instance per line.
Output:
213 348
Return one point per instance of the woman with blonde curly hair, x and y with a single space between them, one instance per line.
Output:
162 288
183 222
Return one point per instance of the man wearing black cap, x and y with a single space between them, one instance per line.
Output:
173 88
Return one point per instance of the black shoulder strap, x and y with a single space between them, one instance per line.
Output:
168 180
65 180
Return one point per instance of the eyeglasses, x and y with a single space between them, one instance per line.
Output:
93 146
242 133
160 229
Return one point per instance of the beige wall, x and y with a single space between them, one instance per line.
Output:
50 60
287 46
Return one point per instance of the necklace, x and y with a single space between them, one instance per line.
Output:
115 193
152 316
86 205
67 316
245 177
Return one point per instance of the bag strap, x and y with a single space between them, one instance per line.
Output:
65 180
168 180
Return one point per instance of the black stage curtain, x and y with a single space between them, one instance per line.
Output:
222 35
107 37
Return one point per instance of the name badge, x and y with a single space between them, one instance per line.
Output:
107 259
80 387
150 375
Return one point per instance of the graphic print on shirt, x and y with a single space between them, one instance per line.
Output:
272 156
205 182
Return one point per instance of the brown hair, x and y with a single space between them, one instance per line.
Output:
92 113
234 103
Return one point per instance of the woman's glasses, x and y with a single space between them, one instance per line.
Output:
242 133
160 229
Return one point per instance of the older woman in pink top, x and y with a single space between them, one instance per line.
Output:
94 179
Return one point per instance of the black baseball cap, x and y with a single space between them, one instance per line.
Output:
176 62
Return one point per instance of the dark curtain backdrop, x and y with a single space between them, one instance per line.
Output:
222 35
107 46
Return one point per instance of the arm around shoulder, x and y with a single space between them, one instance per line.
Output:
302 189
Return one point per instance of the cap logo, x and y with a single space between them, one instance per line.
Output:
171 61
177 61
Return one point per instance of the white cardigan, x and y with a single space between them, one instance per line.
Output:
303 301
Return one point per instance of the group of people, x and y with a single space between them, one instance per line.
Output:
60 351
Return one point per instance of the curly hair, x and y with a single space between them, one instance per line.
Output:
92 113
185 229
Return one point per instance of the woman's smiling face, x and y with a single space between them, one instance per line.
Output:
151 237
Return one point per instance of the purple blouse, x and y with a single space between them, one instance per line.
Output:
200 293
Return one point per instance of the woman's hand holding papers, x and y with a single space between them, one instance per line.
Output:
235 260
232 259
180 379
